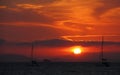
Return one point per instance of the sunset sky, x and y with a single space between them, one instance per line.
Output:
56 21
29 20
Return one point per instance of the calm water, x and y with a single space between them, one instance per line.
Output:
59 68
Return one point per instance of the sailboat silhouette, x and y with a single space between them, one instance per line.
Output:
34 62
104 61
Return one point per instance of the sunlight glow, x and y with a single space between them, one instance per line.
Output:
77 50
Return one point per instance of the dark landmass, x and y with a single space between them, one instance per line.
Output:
13 58
62 43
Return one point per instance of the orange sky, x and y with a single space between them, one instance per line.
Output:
28 20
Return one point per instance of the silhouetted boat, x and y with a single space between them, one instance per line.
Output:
34 62
104 61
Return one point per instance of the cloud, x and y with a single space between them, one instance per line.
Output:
19 32
73 17
12 2
113 15
2 7
78 11
106 6
84 38
28 33
84 12
29 6
23 16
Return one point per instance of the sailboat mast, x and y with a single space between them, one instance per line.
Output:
102 43
32 51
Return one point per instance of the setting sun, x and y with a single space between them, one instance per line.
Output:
77 50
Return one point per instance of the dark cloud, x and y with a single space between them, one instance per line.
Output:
107 5
63 43
2 41
24 16
28 33
13 2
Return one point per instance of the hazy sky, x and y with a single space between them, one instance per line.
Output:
28 20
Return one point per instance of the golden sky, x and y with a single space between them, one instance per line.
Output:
28 20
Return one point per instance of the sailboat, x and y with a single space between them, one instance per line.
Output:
34 62
104 61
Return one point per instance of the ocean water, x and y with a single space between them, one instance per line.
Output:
58 68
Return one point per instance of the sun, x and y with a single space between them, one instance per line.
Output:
77 50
